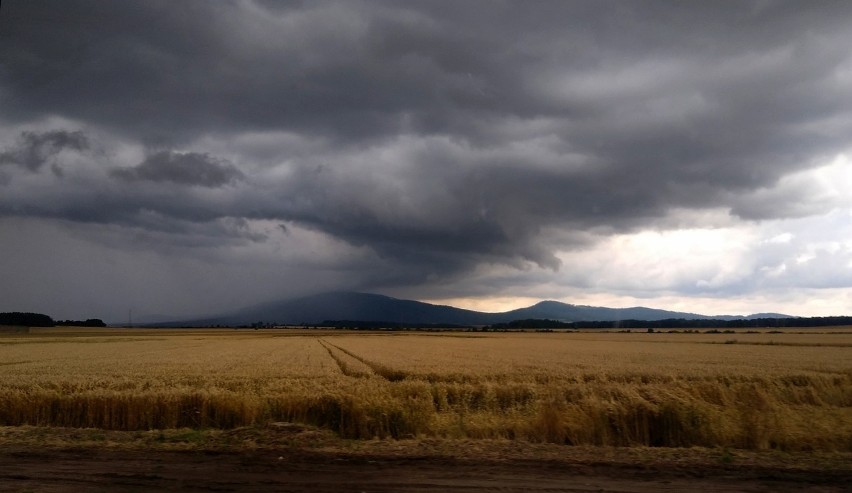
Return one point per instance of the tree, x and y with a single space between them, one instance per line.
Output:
26 319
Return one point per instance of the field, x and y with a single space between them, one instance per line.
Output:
789 391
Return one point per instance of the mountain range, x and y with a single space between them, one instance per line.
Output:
351 306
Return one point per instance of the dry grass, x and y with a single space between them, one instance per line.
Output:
784 391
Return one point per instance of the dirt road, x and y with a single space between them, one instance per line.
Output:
102 470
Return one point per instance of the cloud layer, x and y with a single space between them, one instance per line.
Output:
438 149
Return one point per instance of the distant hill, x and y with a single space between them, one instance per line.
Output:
313 310
565 312
755 316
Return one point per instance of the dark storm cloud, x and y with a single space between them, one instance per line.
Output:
450 134
188 168
33 150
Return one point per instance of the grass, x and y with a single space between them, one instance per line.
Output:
278 437
781 391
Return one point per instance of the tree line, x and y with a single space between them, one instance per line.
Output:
28 319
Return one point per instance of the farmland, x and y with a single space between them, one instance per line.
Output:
788 391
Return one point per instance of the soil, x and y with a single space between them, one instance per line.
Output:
87 470
295 459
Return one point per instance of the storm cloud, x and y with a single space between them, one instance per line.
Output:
34 150
438 149
189 168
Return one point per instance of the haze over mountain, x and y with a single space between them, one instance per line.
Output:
354 306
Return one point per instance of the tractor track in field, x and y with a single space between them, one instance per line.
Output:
389 374
348 368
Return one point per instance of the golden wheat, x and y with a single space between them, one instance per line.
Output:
786 391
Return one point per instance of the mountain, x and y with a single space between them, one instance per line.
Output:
764 315
313 310
565 312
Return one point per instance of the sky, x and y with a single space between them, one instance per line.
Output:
191 158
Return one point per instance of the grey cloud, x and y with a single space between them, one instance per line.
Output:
508 126
33 150
188 168
199 212
153 231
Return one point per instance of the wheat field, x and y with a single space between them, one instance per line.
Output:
762 390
